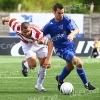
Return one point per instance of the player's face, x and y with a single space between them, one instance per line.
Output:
59 14
96 40
27 32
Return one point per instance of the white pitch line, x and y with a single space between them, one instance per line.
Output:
11 62
18 77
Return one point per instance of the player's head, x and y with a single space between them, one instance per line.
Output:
25 29
58 10
96 39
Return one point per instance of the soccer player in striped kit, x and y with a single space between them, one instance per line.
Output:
34 44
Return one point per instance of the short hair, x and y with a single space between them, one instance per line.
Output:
57 5
24 25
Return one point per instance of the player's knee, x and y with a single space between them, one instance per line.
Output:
76 61
70 67
48 67
79 64
32 66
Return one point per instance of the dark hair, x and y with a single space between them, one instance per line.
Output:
24 25
57 5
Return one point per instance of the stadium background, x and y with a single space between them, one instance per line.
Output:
90 22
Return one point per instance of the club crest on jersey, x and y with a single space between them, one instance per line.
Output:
61 26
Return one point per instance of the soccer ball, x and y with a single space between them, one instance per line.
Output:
67 88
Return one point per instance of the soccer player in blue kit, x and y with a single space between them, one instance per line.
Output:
62 30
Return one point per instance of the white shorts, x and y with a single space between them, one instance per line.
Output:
34 50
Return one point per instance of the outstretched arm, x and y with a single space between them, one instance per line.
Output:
47 62
13 23
5 19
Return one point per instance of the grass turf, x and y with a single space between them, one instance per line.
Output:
13 86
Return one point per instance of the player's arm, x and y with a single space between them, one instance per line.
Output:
73 28
75 32
47 62
72 34
13 23
50 49
42 39
46 41
5 19
49 44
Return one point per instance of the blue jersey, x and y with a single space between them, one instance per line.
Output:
59 32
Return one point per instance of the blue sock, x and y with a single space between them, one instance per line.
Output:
82 75
64 73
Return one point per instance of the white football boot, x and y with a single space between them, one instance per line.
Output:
40 88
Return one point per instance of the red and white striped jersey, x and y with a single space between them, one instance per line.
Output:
16 27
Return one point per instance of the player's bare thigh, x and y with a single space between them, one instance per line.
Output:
33 51
29 54
75 61
31 62
42 54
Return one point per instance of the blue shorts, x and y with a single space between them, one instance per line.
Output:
66 54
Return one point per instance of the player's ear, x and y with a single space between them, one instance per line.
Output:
54 12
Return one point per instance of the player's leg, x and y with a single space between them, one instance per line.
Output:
41 54
41 76
94 53
81 73
67 56
30 61
65 72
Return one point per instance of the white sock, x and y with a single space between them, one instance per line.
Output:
26 64
41 75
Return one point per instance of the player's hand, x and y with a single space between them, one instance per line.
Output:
3 20
40 41
70 37
47 63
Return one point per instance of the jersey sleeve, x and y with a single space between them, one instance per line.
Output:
71 24
15 25
37 32
46 29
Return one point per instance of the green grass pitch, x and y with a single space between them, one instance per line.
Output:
13 86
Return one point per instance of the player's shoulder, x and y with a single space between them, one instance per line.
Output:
49 24
67 18
51 21
11 20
